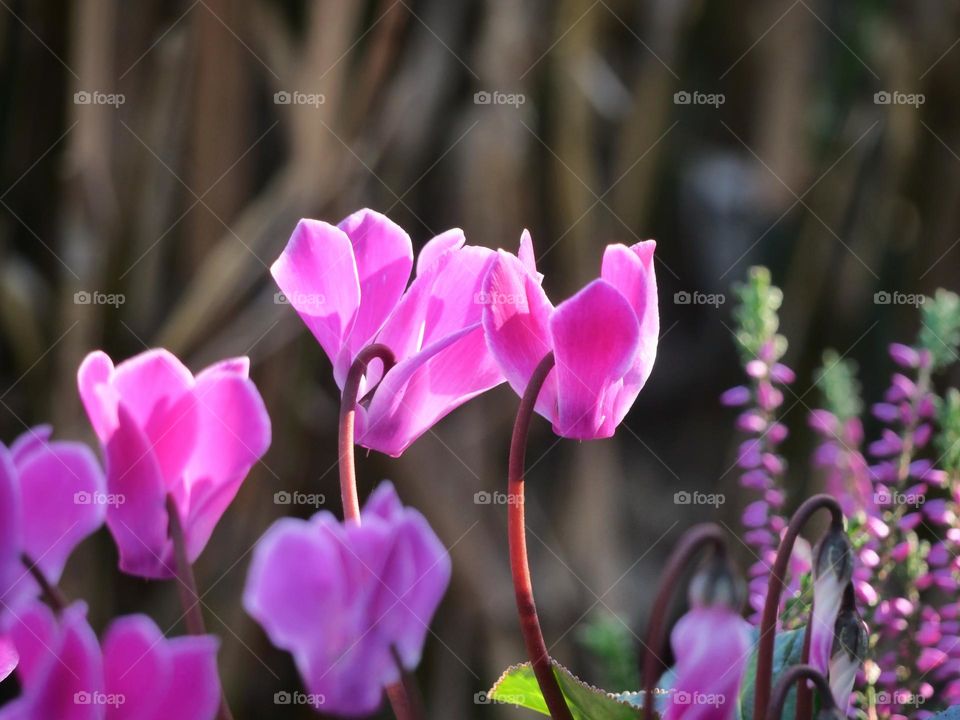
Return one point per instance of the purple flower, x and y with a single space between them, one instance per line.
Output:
138 674
349 285
349 601
51 498
604 338
168 433
832 572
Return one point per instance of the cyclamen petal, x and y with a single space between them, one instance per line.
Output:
604 338
349 285
343 598
168 434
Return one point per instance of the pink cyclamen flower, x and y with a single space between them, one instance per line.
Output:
349 285
349 601
168 433
51 498
711 644
137 675
604 338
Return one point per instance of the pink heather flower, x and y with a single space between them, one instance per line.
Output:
349 601
51 498
349 285
711 644
165 432
138 674
604 338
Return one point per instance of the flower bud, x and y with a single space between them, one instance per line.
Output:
849 651
832 572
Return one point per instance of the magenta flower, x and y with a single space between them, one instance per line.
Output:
51 498
138 675
349 285
604 338
349 601
166 433
711 644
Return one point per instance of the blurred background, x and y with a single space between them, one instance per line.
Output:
156 155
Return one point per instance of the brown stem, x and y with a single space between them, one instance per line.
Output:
187 587
799 674
348 412
517 536
686 549
775 587
401 701
51 592
804 692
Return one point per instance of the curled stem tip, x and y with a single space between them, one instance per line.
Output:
695 539
519 563
797 674
775 587
348 411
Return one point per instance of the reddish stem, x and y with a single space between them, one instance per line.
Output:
799 674
348 412
519 564
775 587
686 549
804 693
51 592
187 587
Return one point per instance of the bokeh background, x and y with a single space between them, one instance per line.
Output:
180 181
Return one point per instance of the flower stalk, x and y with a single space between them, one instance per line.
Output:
799 674
694 540
519 563
768 624
51 591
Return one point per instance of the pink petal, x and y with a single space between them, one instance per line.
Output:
526 254
384 256
99 399
61 490
193 692
139 523
317 273
8 657
29 441
233 432
516 325
11 569
631 271
435 248
421 390
595 338
136 666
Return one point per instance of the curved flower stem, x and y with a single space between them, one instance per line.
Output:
187 587
517 535
692 541
348 412
797 674
51 591
775 587
804 694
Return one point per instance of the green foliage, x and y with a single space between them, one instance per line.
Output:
518 686
940 327
756 315
611 642
837 380
948 439
788 650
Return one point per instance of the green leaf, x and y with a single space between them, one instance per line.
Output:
788 650
518 686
